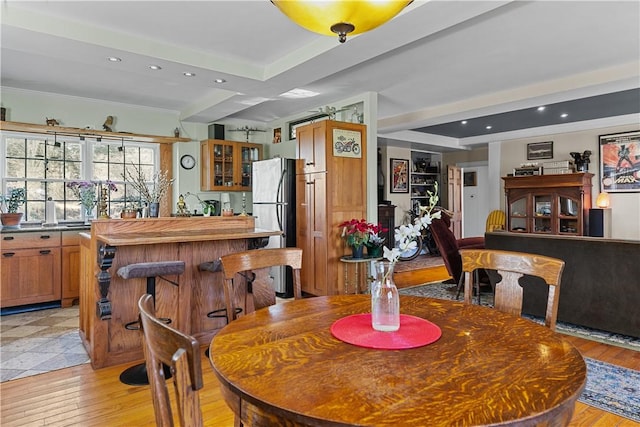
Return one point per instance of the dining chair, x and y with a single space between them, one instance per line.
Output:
449 247
254 266
511 266
164 345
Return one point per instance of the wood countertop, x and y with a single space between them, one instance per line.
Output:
150 238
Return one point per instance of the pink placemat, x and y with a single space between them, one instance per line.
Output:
357 330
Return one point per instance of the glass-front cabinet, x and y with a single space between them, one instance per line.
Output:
548 204
226 165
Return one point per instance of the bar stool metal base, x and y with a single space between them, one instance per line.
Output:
137 375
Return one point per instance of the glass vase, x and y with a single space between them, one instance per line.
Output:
385 301
88 214
154 209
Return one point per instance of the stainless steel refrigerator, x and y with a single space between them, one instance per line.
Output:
274 204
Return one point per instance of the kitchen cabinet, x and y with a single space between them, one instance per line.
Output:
226 165
31 266
331 180
549 204
70 280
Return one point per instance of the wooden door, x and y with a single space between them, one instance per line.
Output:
454 194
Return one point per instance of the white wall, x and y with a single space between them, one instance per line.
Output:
475 203
625 207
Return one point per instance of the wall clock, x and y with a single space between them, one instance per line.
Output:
187 161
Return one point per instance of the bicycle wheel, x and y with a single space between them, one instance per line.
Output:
412 254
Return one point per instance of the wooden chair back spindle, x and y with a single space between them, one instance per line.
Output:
163 344
255 260
512 266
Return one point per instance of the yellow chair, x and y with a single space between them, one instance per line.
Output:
496 221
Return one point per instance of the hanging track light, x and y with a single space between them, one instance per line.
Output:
340 17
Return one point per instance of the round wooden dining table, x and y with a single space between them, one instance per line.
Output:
283 366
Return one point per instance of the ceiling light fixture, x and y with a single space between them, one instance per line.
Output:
220 81
114 59
189 74
340 17
155 67
564 115
541 108
464 122
488 127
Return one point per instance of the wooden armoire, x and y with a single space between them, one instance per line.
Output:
331 187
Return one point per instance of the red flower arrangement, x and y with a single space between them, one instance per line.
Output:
356 232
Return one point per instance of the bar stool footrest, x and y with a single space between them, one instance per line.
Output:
222 313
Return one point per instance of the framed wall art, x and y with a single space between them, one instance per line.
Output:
347 143
620 162
540 150
399 176
470 179
277 135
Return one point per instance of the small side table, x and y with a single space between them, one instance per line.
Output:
361 273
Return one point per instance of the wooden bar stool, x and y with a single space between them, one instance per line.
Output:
137 375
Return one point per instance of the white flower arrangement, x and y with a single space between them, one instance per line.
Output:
406 235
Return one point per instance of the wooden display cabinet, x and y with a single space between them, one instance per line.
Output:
226 165
549 204
330 188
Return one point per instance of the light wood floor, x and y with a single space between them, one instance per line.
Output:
80 396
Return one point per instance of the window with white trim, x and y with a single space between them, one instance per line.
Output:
45 164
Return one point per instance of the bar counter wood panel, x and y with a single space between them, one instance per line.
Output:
192 240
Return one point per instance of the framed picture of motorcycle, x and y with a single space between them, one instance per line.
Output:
347 143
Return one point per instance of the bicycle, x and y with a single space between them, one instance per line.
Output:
408 255
424 242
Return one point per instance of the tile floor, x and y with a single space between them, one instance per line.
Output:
39 341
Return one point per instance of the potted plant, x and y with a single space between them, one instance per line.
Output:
151 190
12 218
376 241
356 234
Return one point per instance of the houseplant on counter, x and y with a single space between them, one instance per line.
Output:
356 234
12 218
151 190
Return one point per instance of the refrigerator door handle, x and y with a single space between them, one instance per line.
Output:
279 196
279 216
280 184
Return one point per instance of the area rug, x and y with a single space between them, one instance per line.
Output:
613 389
448 291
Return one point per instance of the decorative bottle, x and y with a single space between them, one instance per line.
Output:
385 301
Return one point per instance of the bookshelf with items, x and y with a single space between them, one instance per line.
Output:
425 173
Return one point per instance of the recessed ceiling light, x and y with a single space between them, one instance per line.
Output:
155 67
220 81
464 122
488 127
563 115
114 59
188 74
541 108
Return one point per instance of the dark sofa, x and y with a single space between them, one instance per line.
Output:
600 285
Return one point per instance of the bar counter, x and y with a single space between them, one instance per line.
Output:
108 302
